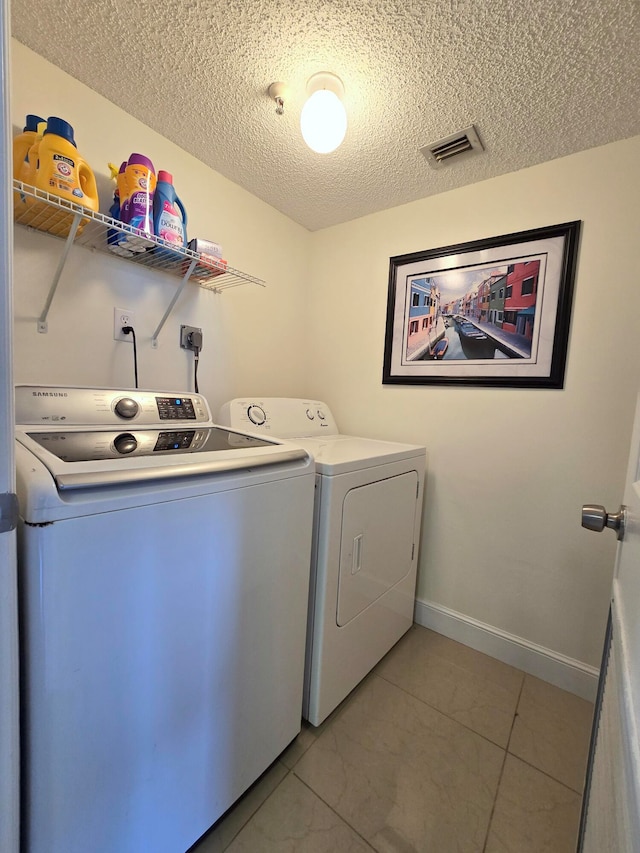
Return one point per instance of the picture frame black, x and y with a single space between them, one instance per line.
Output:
493 312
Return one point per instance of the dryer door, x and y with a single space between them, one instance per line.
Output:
376 548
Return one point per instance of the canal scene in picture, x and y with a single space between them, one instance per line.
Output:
479 313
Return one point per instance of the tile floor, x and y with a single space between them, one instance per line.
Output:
440 749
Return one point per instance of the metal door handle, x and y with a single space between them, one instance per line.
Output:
595 517
356 560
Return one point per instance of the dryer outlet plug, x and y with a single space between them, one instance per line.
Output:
191 338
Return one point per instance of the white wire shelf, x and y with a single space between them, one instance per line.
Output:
50 214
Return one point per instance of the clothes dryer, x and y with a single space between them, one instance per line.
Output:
367 518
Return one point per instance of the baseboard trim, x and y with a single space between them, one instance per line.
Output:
564 672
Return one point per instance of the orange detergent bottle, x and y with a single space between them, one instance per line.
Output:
23 142
25 169
61 171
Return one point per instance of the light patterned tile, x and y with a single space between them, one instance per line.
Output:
472 688
552 731
467 658
299 746
533 813
230 825
295 820
406 777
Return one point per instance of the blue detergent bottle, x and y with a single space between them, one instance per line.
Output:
169 215
116 239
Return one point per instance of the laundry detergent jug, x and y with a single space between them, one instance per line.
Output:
25 169
23 142
116 239
136 204
61 171
169 215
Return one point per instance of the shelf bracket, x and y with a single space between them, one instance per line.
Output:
180 288
42 319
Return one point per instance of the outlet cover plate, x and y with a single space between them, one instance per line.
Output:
123 317
185 331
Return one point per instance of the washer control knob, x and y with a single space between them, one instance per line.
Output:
125 443
309 414
126 408
256 415
321 414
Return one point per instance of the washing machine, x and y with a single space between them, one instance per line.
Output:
367 518
164 577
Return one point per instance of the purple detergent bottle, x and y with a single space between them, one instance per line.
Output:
140 179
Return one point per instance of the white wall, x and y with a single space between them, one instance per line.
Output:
251 338
508 469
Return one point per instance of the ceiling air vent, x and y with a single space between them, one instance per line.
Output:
455 147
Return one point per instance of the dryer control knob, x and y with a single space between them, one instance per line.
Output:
126 408
256 415
321 414
309 414
125 443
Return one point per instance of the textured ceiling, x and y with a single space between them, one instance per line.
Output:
540 79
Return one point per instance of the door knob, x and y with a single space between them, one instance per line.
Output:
595 517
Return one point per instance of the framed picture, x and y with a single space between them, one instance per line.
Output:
493 312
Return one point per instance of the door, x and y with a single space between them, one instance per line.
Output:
9 755
377 542
611 809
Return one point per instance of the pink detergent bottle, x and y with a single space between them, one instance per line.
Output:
169 215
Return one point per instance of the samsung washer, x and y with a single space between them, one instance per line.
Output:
164 575
367 518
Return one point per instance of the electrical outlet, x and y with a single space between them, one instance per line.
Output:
185 331
123 317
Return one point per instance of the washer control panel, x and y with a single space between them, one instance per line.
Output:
67 406
284 417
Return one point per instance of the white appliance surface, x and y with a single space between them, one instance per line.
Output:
367 518
164 591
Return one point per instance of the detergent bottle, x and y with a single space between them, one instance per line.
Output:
62 172
169 215
137 207
29 165
116 240
123 193
129 243
23 142
23 203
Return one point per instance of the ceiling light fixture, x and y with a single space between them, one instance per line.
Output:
323 120
278 92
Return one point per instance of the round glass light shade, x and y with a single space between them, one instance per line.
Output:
323 121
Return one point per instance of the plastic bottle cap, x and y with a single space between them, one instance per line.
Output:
61 128
167 177
141 160
32 122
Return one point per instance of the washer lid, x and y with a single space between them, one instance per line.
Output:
340 454
91 459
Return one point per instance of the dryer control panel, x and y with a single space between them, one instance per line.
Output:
284 417
69 406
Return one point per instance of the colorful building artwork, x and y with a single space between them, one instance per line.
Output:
424 309
499 300
484 294
520 298
497 289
